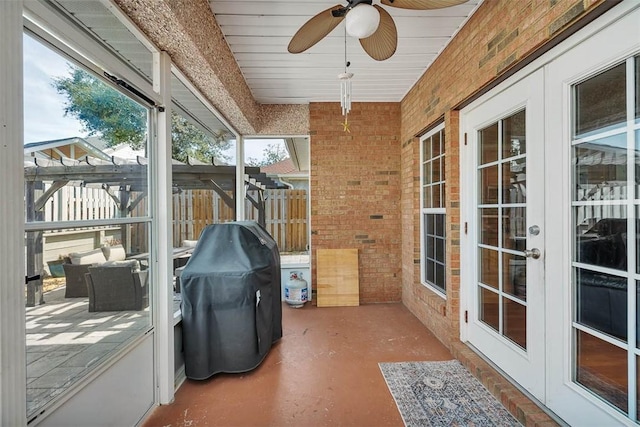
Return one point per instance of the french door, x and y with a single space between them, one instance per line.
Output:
592 109
505 228
551 209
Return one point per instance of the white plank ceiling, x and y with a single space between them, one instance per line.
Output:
258 32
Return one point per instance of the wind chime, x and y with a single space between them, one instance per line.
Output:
345 88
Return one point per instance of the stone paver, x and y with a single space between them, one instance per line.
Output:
65 342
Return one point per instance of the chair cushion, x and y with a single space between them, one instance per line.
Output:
133 263
90 257
114 253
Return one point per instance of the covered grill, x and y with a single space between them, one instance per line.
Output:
231 309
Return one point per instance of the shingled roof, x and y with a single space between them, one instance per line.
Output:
280 168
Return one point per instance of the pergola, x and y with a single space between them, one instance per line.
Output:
127 184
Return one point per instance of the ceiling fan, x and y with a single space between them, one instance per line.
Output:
368 22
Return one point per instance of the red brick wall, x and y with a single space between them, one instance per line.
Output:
355 191
365 184
499 35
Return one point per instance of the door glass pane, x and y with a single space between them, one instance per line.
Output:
514 275
602 368
514 228
602 302
515 322
604 244
489 308
489 185
601 169
514 181
489 267
488 147
601 101
489 230
514 136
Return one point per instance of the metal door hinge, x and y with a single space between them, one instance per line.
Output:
466 316
465 138
466 227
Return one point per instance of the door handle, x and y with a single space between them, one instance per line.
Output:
532 253
28 279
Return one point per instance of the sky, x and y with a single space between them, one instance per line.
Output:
43 106
44 117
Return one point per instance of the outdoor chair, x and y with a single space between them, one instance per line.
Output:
76 286
117 288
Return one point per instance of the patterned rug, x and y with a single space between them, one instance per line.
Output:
442 394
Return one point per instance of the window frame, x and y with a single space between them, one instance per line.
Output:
429 211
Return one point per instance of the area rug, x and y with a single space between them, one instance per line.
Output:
442 394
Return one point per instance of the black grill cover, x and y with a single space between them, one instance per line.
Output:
231 309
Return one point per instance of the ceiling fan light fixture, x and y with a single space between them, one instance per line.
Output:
362 21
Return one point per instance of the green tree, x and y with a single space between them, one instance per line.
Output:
189 141
273 153
117 119
102 110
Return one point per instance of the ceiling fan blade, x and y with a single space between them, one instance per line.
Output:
421 4
314 30
382 44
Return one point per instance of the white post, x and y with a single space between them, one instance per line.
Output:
240 190
13 400
161 181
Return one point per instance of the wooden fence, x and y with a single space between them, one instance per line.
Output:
74 203
285 214
596 202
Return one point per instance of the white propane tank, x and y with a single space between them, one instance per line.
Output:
295 290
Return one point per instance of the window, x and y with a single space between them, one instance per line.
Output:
204 166
87 222
433 213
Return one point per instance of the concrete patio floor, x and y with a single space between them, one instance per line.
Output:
322 372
